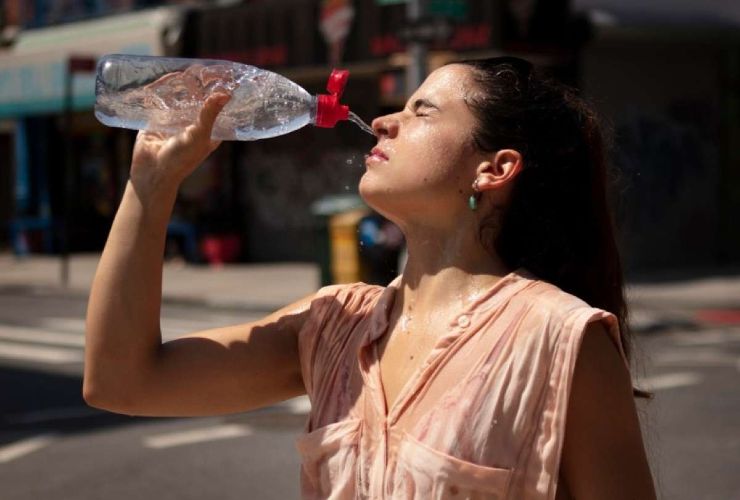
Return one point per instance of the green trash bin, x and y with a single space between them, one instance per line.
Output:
327 228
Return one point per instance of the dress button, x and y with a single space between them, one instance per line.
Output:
463 321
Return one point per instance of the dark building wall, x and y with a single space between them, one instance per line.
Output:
664 100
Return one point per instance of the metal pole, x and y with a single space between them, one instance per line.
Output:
67 134
417 51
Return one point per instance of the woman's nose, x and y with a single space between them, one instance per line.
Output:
385 125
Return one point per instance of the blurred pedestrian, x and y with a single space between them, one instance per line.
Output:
455 380
381 242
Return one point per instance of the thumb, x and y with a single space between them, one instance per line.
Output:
210 110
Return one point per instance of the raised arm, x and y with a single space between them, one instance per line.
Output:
127 368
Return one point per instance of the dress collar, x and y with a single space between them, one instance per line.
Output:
500 291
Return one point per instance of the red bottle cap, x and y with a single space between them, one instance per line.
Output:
328 109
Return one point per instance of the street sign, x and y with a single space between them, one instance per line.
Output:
455 9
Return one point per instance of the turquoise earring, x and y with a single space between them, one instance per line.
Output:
473 200
472 203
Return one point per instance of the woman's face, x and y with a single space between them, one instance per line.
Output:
423 166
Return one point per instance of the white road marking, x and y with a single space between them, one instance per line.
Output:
669 381
299 406
197 436
65 324
695 357
24 447
716 337
36 336
54 355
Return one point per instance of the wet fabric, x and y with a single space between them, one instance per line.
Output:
483 417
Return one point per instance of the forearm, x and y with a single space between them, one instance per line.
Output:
123 335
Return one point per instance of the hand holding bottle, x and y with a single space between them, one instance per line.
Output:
162 162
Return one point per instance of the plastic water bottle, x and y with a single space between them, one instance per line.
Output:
165 94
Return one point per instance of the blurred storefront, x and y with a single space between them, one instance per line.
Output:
57 155
257 191
667 80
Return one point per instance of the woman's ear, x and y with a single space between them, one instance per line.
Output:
500 170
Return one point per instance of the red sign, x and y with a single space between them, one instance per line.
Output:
82 64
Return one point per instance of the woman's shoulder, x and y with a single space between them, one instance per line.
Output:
548 297
358 291
558 310
345 297
553 322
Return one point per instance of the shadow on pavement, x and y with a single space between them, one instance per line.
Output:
35 401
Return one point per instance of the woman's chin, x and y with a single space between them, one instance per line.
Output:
368 192
382 199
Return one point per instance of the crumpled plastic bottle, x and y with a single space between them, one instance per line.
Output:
165 94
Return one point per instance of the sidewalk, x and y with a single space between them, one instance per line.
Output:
253 287
266 287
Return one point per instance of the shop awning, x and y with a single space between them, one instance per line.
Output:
33 71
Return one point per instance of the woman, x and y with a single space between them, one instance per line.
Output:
455 380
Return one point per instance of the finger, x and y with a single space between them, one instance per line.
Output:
210 110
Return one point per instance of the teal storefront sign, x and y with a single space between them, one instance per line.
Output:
455 9
39 88
32 88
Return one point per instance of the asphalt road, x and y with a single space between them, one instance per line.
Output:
53 446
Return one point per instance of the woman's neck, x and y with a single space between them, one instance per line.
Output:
445 270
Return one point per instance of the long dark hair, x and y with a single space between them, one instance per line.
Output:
558 223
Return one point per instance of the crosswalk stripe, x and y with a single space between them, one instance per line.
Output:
73 325
196 436
709 356
708 338
54 355
24 447
669 381
36 336
298 406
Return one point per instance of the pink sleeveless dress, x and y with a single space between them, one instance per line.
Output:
482 418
